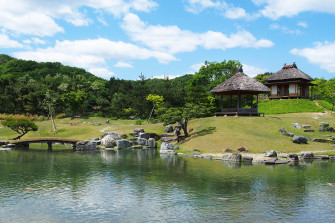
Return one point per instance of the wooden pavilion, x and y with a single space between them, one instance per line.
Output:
289 82
238 85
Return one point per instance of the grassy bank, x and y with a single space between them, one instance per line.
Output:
271 107
209 135
258 134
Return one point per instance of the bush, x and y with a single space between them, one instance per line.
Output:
325 104
113 118
154 121
138 121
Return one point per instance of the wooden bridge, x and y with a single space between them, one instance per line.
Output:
49 141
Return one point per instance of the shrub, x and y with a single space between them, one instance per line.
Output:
113 118
325 104
138 121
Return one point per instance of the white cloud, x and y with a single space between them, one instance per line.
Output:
303 24
195 68
101 72
227 10
123 65
196 6
6 42
285 29
92 53
38 17
275 9
253 71
322 54
173 40
235 13
217 40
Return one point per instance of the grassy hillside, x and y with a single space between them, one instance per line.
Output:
287 106
209 135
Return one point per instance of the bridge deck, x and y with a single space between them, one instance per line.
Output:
49 141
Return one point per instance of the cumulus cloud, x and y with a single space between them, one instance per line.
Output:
6 42
227 10
38 17
253 71
322 54
123 65
173 40
92 53
276 9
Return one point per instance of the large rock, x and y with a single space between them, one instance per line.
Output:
300 139
233 157
86 145
154 136
297 125
271 153
166 148
284 132
306 155
329 129
113 134
123 143
138 130
293 157
143 135
108 141
168 129
323 124
142 141
151 143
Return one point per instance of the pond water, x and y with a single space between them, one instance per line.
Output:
145 186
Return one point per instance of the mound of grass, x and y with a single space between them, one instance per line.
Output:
325 104
270 107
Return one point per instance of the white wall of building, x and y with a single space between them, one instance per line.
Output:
292 89
274 89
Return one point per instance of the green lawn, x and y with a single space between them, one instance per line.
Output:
209 135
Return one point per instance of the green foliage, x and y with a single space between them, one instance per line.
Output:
157 100
325 104
287 106
261 77
21 126
138 121
113 118
182 115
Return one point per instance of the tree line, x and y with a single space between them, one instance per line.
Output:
29 87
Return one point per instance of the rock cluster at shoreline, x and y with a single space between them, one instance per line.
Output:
264 158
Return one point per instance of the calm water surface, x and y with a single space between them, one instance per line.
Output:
144 186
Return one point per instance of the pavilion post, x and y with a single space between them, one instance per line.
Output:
221 102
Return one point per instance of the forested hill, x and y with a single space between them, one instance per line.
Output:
29 87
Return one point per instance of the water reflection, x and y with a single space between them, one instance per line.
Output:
143 185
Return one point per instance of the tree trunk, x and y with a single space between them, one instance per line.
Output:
183 124
19 137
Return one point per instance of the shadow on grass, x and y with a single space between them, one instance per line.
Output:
205 131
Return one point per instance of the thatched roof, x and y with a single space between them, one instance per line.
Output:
288 72
240 83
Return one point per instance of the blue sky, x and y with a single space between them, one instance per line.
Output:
124 38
